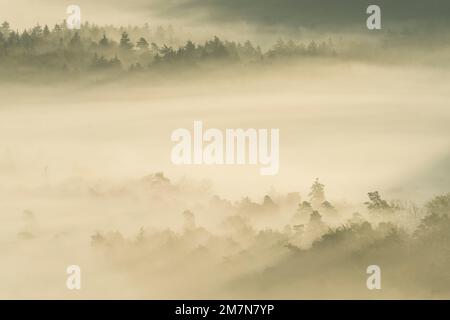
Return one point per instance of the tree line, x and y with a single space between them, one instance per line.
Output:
94 48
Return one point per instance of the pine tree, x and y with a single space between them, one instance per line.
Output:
317 194
142 44
46 31
37 31
4 29
104 42
26 40
376 203
125 42
75 42
57 28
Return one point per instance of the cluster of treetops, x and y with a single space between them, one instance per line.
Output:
132 48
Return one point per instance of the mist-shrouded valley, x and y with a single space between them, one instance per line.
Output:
86 177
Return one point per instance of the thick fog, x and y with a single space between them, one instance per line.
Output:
75 161
87 179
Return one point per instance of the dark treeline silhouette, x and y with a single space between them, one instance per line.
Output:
94 48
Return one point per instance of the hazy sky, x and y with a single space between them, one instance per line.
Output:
317 14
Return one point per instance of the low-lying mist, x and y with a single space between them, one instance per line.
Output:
78 185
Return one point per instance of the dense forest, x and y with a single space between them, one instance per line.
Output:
109 48
93 49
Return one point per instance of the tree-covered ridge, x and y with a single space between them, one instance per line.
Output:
94 48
